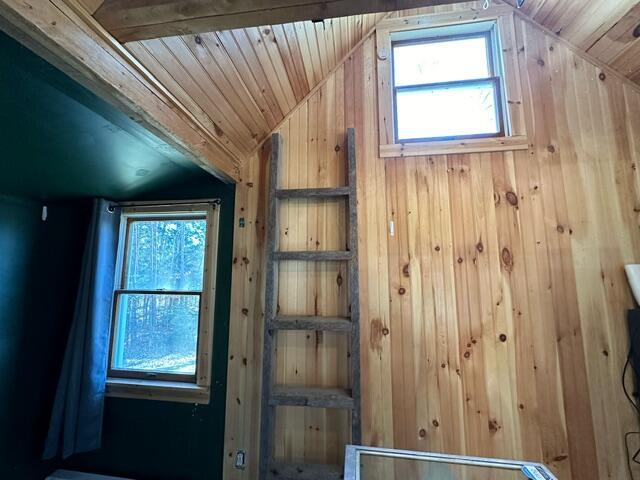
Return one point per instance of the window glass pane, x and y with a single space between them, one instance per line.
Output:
166 254
156 333
421 468
446 112
440 61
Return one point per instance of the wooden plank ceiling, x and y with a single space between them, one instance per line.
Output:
602 28
242 83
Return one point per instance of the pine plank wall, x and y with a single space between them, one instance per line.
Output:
493 320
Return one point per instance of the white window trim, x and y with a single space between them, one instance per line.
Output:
516 137
167 390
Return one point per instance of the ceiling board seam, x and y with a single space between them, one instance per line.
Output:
248 48
249 129
219 110
248 96
254 36
286 55
276 60
268 106
319 85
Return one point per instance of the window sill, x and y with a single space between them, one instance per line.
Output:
157 390
452 147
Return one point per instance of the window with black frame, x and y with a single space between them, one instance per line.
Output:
447 86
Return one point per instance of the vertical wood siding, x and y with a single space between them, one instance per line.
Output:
493 320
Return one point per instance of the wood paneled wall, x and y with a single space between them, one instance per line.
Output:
493 319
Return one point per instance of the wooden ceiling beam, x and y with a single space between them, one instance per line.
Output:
129 20
63 33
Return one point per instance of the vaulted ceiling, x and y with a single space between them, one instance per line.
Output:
601 28
241 83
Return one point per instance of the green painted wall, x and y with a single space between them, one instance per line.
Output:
63 145
59 140
39 270
145 439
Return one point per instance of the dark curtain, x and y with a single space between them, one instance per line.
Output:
76 419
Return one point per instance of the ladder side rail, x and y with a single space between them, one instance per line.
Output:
354 290
267 411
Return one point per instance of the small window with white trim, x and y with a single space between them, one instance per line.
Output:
161 334
447 83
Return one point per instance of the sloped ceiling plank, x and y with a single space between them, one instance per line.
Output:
619 38
619 48
291 56
601 28
232 90
180 71
255 83
130 20
242 83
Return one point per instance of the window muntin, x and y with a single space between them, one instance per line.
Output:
446 88
158 300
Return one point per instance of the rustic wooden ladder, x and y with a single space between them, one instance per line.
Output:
314 397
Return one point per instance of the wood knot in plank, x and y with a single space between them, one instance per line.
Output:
512 199
494 426
507 259
405 270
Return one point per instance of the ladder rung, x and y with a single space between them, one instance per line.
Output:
325 324
303 471
317 397
313 192
315 255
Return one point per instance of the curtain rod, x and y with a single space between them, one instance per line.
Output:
164 203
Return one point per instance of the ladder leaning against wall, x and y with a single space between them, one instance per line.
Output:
312 397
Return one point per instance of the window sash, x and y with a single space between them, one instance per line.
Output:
487 35
165 216
497 102
128 220
494 79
